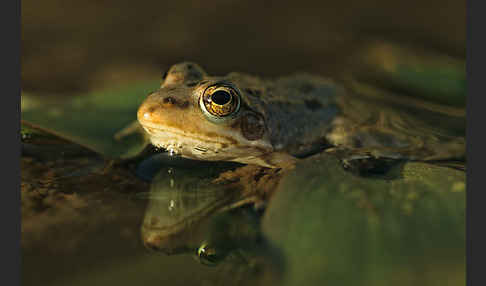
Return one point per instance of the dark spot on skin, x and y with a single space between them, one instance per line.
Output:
193 75
235 125
151 109
255 92
184 104
370 167
312 104
252 126
173 101
170 100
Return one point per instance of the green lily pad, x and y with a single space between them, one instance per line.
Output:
91 120
335 228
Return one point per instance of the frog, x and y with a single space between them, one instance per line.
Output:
273 123
269 126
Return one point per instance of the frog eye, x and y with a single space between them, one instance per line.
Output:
208 255
220 102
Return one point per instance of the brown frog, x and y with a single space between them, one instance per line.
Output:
271 123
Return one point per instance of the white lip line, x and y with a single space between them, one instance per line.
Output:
178 148
190 135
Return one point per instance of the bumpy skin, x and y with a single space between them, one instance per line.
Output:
278 120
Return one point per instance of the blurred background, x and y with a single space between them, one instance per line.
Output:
71 46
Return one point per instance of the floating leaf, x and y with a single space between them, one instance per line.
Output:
91 120
335 228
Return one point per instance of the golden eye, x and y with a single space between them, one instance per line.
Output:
220 102
209 256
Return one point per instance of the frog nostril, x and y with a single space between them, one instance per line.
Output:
147 112
151 109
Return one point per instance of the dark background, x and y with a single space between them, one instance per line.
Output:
70 46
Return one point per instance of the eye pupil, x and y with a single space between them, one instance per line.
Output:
221 97
220 103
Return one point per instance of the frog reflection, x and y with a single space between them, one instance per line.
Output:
189 212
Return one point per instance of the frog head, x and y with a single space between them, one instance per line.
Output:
206 118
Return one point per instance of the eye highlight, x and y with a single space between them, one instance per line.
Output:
219 102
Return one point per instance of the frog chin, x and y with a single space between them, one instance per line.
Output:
199 150
216 152
203 146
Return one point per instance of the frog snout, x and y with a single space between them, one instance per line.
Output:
147 113
166 244
156 108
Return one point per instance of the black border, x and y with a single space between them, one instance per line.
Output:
10 210
472 88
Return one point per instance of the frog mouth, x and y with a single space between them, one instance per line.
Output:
173 134
189 145
201 146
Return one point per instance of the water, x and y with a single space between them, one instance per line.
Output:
189 214
170 220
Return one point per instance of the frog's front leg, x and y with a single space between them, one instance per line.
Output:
255 183
132 128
